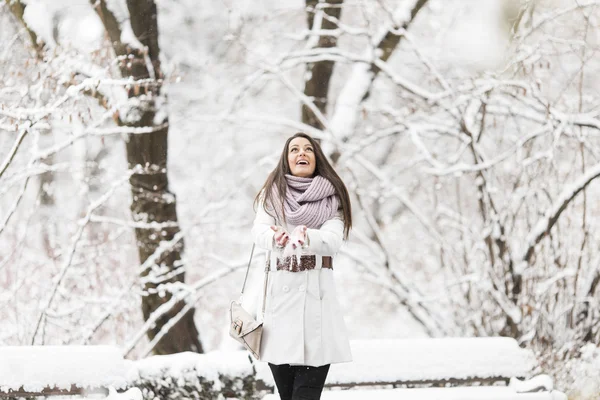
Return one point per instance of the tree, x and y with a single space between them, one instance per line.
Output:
488 167
152 201
153 207
321 17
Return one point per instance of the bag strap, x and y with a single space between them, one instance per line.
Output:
248 269
267 268
266 277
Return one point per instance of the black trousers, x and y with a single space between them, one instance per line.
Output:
299 382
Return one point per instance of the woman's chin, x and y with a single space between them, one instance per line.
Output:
303 174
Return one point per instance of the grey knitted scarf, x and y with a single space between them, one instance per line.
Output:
309 201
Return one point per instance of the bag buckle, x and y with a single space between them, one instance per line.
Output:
237 325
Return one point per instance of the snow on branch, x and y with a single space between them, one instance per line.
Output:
377 173
551 16
12 209
14 149
33 168
72 92
127 130
359 83
111 24
187 293
135 224
180 291
545 224
18 9
458 168
508 307
390 277
74 242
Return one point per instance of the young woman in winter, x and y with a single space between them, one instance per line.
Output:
303 215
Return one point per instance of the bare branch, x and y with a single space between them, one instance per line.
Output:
13 151
74 242
545 224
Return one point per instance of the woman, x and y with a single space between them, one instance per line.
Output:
303 216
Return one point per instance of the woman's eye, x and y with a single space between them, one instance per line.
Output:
294 149
309 149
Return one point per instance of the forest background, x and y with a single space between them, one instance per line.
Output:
135 135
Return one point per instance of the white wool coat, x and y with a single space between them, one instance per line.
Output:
303 323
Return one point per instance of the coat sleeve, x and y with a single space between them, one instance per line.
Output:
261 229
327 240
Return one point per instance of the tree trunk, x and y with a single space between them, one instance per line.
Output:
152 201
319 73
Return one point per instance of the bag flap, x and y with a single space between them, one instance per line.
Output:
241 317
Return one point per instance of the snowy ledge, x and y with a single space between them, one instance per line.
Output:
434 360
399 362
52 369
408 362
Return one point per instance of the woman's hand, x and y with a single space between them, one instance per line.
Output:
281 237
299 236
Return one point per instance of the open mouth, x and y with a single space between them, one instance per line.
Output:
302 162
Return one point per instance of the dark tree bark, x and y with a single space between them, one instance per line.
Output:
152 200
319 73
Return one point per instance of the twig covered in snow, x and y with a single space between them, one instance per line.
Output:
551 216
359 83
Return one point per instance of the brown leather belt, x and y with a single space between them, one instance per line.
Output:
306 263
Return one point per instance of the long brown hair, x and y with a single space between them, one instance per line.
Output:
277 179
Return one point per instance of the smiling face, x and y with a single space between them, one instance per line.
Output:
301 157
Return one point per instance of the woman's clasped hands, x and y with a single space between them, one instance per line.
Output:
297 239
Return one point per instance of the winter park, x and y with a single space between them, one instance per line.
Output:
300 199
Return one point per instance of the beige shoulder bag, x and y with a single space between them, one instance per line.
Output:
242 326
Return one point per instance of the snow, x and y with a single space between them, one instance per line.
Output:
432 359
535 384
127 36
349 99
38 20
443 259
131 394
583 373
454 393
162 111
374 361
131 111
37 367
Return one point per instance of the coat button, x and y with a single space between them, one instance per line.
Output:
286 289
301 288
